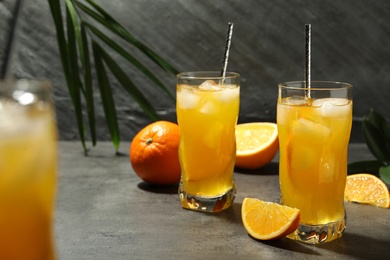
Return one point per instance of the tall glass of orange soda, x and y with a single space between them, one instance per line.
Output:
314 127
207 111
28 170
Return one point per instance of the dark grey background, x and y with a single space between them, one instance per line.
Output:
350 43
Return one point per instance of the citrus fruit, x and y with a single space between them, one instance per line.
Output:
257 144
267 220
154 153
367 189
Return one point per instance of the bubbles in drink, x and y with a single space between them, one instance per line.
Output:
327 170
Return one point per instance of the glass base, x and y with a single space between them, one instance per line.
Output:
318 234
207 204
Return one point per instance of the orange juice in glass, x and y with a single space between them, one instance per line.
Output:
28 167
207 111
314 127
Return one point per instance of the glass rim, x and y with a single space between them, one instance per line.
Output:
26 91
207 75
333 85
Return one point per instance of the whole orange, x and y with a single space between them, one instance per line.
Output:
154 153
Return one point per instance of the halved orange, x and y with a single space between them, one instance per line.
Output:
368 189
257 144
267 220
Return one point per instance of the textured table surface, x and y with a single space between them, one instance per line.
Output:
104 211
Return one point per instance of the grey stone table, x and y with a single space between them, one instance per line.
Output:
104 211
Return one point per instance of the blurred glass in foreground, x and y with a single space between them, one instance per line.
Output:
28 170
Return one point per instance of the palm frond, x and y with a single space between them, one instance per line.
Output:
129 85
106 95
110 23
128 57
74 82
82 37
84 55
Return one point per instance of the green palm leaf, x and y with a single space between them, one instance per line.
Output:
110 23
129 85
106 95
88 84
82 44
380 123
376 132
75 46
73 77
55 9
375 141
128 57
384 173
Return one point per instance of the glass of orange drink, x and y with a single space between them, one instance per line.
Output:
207 111
28 167
314 127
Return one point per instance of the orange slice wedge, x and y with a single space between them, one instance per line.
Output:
267 220
368 189
257 144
